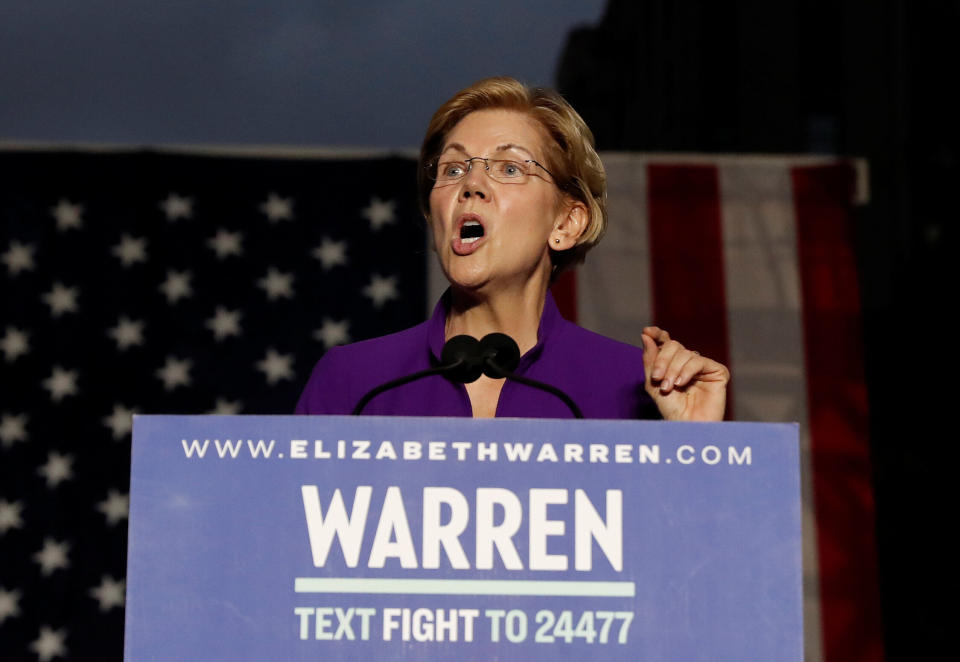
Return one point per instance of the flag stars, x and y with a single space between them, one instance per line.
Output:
175 372
379 213
57 469
19 257
115 507
11 516
127 333
13 427
69 215
224 323
176 206
224 407
9 604
177 286
277 209
61 299
277 284
130 250
276 366
380 289
226 243
14 344
52 556
333 332
331 253
120 421
50 644
109 593
61 383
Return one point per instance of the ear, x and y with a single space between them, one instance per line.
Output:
571 223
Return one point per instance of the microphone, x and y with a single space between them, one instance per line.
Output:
500 355
464 359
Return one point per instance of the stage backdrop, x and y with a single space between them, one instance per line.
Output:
211 281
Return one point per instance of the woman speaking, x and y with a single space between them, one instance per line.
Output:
514 192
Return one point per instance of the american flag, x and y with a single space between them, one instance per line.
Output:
192 283
144 282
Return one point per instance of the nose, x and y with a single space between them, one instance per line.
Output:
475 182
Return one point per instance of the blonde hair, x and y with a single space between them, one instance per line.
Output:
570 154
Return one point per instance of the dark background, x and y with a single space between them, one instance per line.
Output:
866 78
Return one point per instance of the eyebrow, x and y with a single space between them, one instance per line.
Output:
499 148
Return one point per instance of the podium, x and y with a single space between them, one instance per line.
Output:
400 538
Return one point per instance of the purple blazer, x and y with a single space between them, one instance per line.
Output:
604 377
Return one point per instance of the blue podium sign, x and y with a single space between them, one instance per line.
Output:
354 538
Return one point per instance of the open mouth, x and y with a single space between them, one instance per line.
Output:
470 231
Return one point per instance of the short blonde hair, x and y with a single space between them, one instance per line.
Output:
570 154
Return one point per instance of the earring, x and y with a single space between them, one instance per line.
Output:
557 240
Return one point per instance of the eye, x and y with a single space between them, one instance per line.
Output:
510 169
451 170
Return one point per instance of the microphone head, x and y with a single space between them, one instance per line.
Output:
499 353
465 350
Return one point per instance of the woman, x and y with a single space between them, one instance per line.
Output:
514 192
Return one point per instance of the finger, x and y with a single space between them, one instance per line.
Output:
650 353
659 335
694 366
667 353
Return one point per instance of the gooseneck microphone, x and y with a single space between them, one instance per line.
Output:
500 356
464 359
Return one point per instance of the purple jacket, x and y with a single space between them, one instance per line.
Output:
604 377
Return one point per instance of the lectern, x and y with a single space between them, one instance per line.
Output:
398 538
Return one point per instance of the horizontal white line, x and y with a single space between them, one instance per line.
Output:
464 587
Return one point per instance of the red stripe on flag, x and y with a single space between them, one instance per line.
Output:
564 290
837 399
686 248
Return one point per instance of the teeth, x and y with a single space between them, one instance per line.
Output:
469 240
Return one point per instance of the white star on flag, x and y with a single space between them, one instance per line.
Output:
225 407
226 243
13 427
277 209
333 332
109 593
130 250
61 383
9 604
177 206
175 372
19 257
177 286
115 507
276 366
120 421
68 215
57 469
61 299
50 644
331 253
277 284
224 323
52 556
379 213
15 343
380 290
10 515
127 333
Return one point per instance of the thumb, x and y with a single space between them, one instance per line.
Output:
650 353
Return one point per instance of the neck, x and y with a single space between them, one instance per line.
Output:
515 312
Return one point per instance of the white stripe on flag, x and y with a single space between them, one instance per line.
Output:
766 330
613 285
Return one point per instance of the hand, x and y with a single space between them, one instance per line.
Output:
684 385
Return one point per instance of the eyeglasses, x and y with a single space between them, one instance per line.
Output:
505 171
